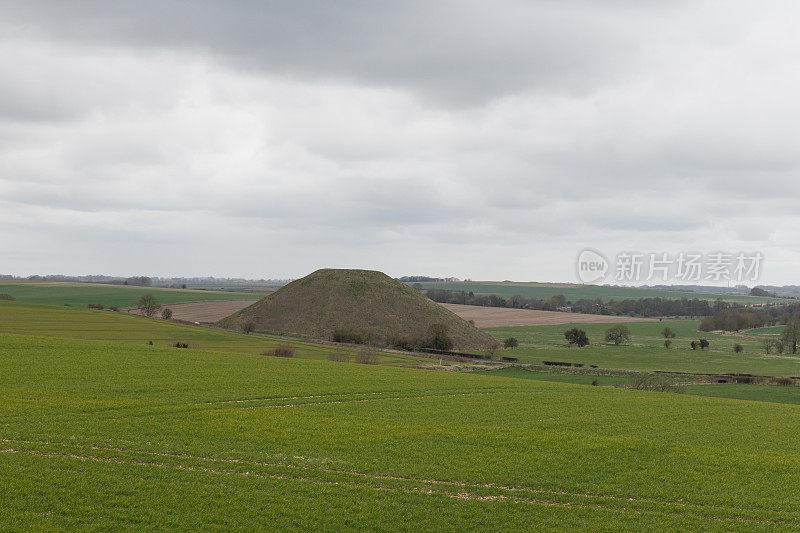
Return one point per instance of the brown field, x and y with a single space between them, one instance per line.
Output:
205 311
493 317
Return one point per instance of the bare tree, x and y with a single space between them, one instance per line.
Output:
792 334
148 305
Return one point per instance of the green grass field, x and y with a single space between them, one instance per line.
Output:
646 351
592 292
122 296
98 435
72 323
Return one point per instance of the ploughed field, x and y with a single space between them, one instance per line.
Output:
206 312
492 317
110 435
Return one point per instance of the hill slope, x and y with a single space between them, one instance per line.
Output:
362 300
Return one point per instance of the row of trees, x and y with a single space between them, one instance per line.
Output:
647 307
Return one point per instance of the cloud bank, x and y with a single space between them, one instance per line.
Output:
265 139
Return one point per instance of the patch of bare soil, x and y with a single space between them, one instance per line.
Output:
205 311
493 317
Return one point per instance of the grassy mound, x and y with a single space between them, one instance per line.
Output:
361 302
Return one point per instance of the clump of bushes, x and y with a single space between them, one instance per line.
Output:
439 338
510 359
6 297
576 336
339 357
401 343
96 306
181 345
556 363
511 342
738 348
783 382
655 382
667 343
166 313
366 357
351 335
281 351
113 308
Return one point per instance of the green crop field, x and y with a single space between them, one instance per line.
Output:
545 291
99 435
646 351
32 319
122 296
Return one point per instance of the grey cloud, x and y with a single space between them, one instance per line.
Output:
454 52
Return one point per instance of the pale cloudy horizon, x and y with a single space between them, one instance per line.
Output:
269 139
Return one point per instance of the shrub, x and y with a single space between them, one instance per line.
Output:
694 345
668 333
738 348
166 313
401 343
594 383
95 306
439 338
556 363
667 343
281 351
577 365
181 345
149 343
366 357
148 305
248 326
618 334
339 357
349 335
780 346
511 342
113 308
703 344
783 382
655 382
577 336
6 297
510 359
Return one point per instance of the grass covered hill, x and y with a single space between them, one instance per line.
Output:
357 300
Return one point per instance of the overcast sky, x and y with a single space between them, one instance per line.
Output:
491 140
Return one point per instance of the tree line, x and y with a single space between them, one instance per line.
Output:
645 307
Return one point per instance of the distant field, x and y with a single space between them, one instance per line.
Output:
111 436
492 317
84 324
646 352
759 393
576 292
122 296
